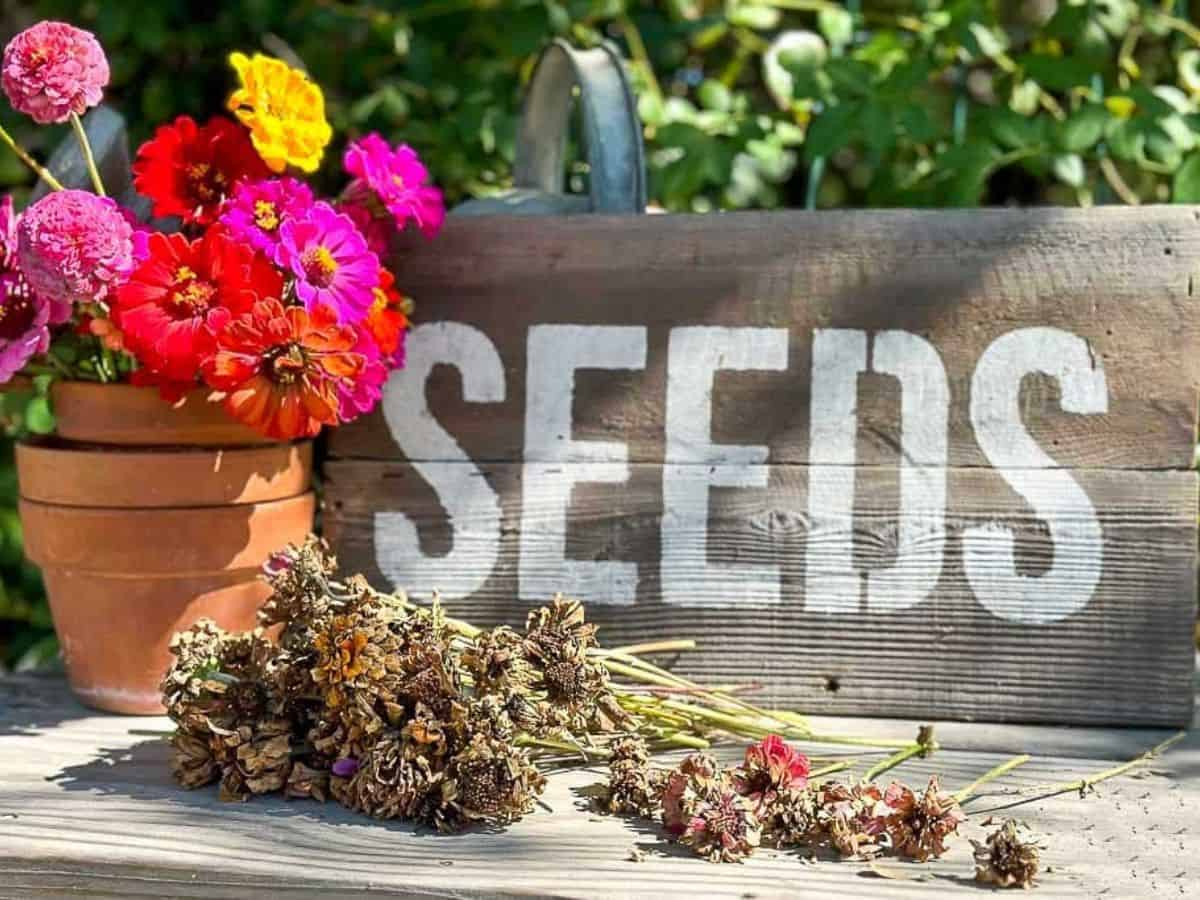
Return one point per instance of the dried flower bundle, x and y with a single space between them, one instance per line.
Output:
723 813
381 705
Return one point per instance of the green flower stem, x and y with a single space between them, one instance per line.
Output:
896 759
37 167
655 647
962 796
830 769
86 146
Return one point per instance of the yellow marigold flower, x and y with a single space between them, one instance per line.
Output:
284 111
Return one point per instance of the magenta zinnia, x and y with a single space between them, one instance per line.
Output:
396 179
52 70
256 212
74 247
330 261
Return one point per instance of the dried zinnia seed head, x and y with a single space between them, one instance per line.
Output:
490 781
723 828
634 788
387 784
852 818
496 661
1005 860
793 818
300 580
919 826
697 779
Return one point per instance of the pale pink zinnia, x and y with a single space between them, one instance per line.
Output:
74 247
396 179
330 261
257 210
52 70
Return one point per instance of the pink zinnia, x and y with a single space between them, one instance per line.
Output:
358 396
74 247
330 261
52 70
257 210
377 230
24 321
397 179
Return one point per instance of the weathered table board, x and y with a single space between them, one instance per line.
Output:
901 463
87 809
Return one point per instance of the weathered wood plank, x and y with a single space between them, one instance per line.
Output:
1125 657
87 808
1121 280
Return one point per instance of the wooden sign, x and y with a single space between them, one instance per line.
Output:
898 463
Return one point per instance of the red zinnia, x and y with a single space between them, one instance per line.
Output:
280 367
181 296
188 170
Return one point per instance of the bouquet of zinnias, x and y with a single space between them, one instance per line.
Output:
247 285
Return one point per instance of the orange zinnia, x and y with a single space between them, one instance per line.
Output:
279 368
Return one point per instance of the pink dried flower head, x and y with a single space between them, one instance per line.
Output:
854 818
919 827
699 777
24 321
257 210
724 828
330 261
74 247
771 767
52 70
396 179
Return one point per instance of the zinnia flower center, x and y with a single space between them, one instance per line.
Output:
16 315
319 266
207 183
265 215
285 364
191 295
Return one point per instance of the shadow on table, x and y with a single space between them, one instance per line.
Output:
31 703
141 772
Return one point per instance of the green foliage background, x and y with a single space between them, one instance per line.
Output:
745 103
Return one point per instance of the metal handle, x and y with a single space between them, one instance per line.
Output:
611 129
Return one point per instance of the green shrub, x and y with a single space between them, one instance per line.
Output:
746 103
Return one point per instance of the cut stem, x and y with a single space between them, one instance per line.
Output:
1083 785
897 758
41 171
969 791
86 146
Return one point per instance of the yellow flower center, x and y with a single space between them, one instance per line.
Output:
319 266
191 295
206 182
265 215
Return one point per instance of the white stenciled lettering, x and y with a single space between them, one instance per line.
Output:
832 584
472 507
1054 494
555 462
694 465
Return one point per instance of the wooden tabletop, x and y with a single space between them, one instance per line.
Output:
87 808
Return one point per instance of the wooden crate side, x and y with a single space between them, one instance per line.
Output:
876 612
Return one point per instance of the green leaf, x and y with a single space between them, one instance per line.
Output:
41 384
1057 72
760 18
836 24
1186 186
1084 128
832 130
1069 169
38 417
1013 130
712 94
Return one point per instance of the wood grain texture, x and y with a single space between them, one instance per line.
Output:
1125 658
1122 279
88 809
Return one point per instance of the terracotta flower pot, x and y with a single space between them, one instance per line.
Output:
146 517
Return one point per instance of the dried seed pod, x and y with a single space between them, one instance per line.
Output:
1005 860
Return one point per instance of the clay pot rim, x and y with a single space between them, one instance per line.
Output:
128 415
98 476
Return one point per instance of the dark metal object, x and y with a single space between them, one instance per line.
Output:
612 136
